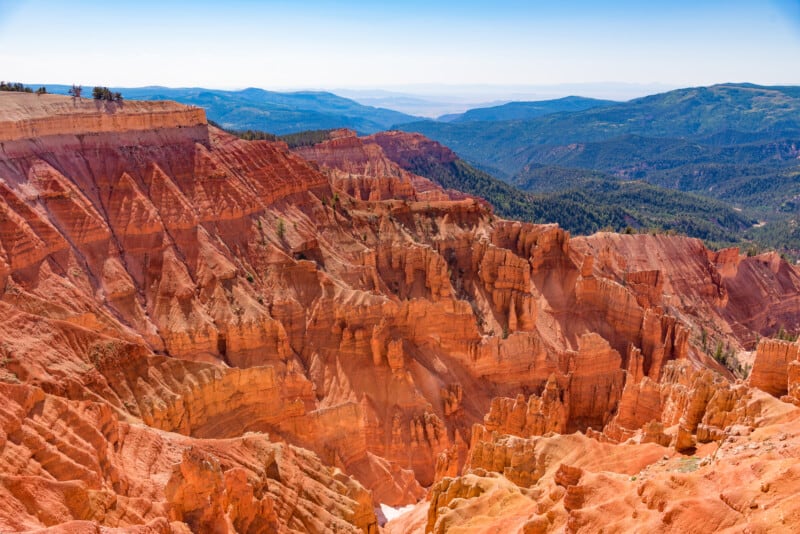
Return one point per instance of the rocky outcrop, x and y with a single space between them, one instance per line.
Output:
577 483
537 416
528 485
586 397
770 371
359 168
595 383
207 497
24 117
728 293
404 147
64 461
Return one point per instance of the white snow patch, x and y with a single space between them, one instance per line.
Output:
390 512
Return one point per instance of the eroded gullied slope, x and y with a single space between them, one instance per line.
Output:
522 475
120 299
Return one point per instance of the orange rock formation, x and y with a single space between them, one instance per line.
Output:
196 337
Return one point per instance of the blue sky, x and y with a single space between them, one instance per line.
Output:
370 44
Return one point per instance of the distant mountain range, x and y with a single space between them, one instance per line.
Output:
435 100
515 111
270 111
738 144
721 115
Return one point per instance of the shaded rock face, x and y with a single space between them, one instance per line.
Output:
362 168
404 147
713 452
195 336
76 462
771 368
577 483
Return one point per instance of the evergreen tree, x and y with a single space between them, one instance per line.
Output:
104 93
75 91
15 87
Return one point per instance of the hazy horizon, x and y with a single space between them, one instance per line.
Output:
357 45
436 100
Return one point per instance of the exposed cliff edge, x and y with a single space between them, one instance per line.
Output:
26 117
204 333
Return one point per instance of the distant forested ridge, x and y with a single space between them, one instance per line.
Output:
527 110
595 203
735 144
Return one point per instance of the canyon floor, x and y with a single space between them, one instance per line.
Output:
204 334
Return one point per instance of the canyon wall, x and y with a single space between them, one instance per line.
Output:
219 323
26 117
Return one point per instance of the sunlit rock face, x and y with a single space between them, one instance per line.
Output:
201 333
